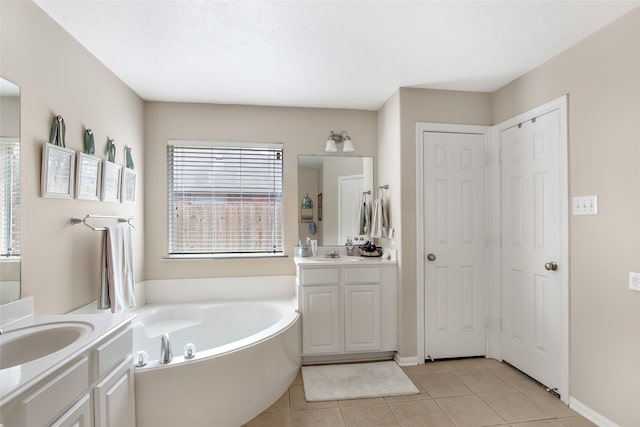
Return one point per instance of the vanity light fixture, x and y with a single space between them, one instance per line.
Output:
334 139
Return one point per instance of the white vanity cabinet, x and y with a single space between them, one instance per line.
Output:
94 388
348 311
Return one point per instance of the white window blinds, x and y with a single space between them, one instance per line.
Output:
9 197
225 198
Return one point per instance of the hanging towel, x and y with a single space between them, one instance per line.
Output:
116 281
380 219
365 216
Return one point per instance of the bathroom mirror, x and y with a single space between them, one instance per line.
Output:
341 182
9 191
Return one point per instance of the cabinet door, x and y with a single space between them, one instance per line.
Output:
115 397
320 320
362 317
79 415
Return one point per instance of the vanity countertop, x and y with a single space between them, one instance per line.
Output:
16 379
342 261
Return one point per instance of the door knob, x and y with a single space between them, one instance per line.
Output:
431 257
551 266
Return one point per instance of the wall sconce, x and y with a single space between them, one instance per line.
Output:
334 139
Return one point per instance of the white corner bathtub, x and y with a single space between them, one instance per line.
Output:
247 355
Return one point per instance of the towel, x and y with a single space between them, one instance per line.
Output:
116 281
380 219
365 217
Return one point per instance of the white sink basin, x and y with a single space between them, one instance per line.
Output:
23 345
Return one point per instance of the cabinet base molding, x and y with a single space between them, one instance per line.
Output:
347 358
406 361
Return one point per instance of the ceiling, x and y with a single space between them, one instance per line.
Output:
336 54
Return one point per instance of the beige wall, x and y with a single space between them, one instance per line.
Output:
416 105
58 76
301 130
602 77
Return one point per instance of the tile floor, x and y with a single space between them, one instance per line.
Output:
465 392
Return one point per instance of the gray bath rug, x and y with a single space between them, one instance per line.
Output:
354 381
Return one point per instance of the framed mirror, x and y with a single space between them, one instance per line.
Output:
337 186
9 191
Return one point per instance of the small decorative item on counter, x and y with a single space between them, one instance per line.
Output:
303 251
370 250
350 247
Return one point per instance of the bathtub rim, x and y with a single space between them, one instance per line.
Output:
290 316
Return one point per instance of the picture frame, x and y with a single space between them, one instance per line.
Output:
88 177
320 207
128 191
58 172
111 177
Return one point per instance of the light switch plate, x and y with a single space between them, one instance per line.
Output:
634 281
585 205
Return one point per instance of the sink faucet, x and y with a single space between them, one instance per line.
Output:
166 356
332 254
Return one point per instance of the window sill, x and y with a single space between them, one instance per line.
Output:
224 256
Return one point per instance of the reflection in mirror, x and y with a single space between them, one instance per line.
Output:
9 191
341 181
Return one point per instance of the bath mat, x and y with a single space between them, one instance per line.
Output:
354 381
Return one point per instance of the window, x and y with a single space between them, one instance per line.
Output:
9 197
225 199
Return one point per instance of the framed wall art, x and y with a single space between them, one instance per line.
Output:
57 175
88 177
110 181
128 192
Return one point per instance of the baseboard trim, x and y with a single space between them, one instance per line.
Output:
590 414
406 361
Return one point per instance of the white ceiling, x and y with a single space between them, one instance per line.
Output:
339 54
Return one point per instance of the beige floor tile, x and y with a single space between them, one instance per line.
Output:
548 401
578 421
422 395
515 407
539 423
483 381
469 411
513 377
420 413
491 363
299 403
329 417
442 385
361 402
270 419
368 416
298 379
464 365
427 368
282 404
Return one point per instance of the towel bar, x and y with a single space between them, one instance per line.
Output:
126 219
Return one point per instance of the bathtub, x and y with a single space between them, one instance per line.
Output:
247 355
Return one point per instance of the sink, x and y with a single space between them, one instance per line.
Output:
26 344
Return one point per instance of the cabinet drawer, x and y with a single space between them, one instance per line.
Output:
41 407
319 276
112 352
362 275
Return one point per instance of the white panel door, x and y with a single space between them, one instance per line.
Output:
455 234
532 312
350 197
362 317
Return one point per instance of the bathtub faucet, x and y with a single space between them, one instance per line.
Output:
166 356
